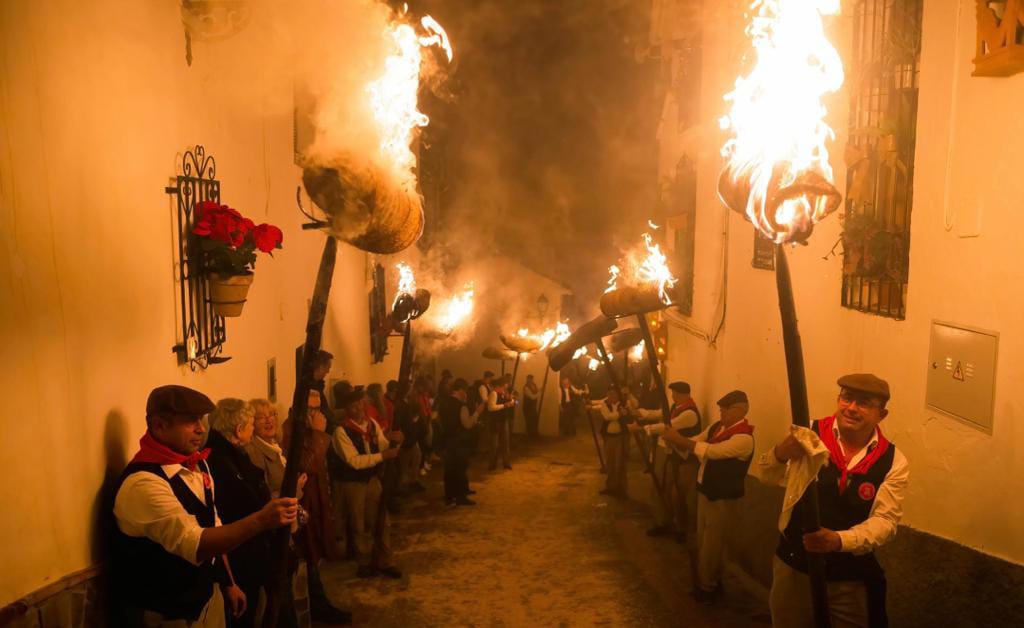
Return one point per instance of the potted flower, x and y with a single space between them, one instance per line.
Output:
229 242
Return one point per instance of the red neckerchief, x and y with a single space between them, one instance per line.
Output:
369 434
680 408
835 451
154 452
424 401
740 427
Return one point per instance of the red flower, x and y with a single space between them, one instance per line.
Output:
267 237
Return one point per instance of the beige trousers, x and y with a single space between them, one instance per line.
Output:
362 501
616 456
713 519
790 600
211 617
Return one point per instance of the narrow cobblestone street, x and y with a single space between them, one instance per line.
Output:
541 548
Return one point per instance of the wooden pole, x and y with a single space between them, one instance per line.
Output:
389 477
314 334
652 359
809 513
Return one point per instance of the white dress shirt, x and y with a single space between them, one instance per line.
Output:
736 446
467 418
344 447
886 511
145 506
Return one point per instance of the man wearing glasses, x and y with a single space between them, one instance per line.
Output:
861 488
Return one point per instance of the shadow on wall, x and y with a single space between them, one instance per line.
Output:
115 433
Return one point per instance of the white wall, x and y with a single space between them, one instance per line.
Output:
95 102
963 482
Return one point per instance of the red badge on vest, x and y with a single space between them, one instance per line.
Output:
866 491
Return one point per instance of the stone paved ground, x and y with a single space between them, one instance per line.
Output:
542 548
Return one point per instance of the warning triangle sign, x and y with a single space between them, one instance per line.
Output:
958 372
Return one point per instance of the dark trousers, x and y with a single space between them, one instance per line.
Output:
499 435
532 415
567 419
456 475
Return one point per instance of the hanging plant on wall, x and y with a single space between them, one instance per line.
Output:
229 243
873 250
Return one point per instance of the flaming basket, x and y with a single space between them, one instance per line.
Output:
365 208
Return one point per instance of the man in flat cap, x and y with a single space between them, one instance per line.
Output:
675 466
363 447
724 452
169 544
860 497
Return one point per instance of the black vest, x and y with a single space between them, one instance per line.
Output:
839 511
348 473
724 478
505 413
695 429
146 576
449 410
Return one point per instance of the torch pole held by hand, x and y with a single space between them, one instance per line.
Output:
652 359
810 515
389 477
300 400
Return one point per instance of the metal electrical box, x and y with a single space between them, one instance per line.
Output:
962 373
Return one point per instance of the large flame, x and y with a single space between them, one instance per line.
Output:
647 267
406 280
778 173
559 335
393 97
582 351
593 364
456 310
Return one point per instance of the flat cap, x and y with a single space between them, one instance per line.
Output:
351 396
174 399
736 396
866 382
680 387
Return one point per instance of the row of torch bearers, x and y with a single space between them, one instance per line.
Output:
776 174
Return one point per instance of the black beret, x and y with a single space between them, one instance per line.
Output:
736 396
174 399
867 383
680 387
351 396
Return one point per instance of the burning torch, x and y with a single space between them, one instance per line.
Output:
570 349
649 288
779 178
371 202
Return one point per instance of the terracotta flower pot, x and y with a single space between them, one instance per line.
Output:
228 293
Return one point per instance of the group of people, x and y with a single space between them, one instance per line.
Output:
699 475
197 508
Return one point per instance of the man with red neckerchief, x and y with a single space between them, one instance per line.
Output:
676 468
860 495
169 545
724 452
363 447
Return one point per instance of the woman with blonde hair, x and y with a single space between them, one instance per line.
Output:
264 449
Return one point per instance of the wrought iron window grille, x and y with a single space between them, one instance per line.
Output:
880 155
203 332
